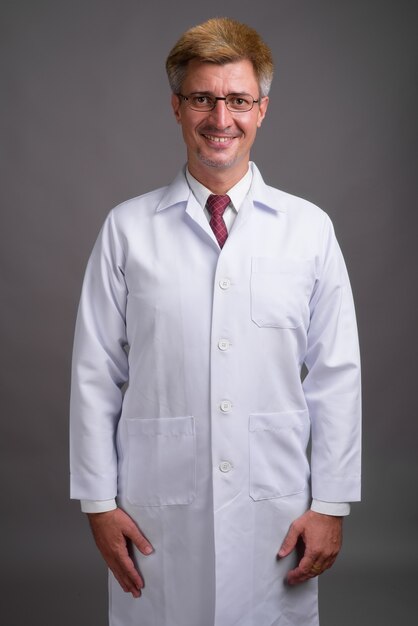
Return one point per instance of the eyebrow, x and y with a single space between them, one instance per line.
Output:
210 93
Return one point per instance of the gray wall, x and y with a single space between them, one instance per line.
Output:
85 123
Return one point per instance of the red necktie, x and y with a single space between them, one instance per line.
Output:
216 206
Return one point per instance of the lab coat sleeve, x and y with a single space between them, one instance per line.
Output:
99 370
332 385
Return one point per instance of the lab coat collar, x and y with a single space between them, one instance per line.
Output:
265 196
262 195
176 193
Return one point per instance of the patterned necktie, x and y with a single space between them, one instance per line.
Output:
216 206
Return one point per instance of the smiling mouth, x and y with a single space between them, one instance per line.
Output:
218 139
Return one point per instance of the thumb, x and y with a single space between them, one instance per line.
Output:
290 541
129 529
140 541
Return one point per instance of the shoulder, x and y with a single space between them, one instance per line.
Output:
137 207
295 204
126 219
148 204
294 207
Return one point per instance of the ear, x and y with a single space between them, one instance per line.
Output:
262 110
175 103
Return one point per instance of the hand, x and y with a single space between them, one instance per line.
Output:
111 531
319 538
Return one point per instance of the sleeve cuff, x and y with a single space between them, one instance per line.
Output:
97 506
340 509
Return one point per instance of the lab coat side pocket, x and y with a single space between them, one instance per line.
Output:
161 461
278 461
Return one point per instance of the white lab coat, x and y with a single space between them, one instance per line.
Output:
206 448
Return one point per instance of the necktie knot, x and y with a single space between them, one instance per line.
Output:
216 206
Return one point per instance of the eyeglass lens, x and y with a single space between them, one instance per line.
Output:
234 102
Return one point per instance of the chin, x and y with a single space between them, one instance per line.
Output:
217 163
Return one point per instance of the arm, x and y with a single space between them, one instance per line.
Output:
100 368
332 386
332 392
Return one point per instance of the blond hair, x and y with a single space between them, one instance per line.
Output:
220 40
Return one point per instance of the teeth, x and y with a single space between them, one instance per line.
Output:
218 139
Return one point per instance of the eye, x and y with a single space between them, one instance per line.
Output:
240 101
200 100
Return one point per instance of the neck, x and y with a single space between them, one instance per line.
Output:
219 181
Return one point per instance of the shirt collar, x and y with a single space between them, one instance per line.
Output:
237 193
179 192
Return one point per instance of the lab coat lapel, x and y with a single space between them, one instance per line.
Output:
260 197
199 222
264 196
179 192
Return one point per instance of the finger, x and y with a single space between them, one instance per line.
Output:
302 572
128 576
316 570
126 583
328 563
309 567
290 541
297 576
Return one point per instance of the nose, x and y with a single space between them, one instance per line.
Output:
220 115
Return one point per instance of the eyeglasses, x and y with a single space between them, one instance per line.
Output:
235 102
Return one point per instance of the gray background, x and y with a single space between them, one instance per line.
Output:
86 123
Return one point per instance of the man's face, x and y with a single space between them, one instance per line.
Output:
219 138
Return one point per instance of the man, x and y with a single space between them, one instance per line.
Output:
206 308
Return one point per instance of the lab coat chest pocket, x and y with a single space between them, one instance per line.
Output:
161 461
280 291
278 462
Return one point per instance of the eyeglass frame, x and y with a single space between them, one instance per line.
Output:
215 99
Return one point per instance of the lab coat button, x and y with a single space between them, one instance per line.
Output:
226 406
225 466
223 344
224 283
